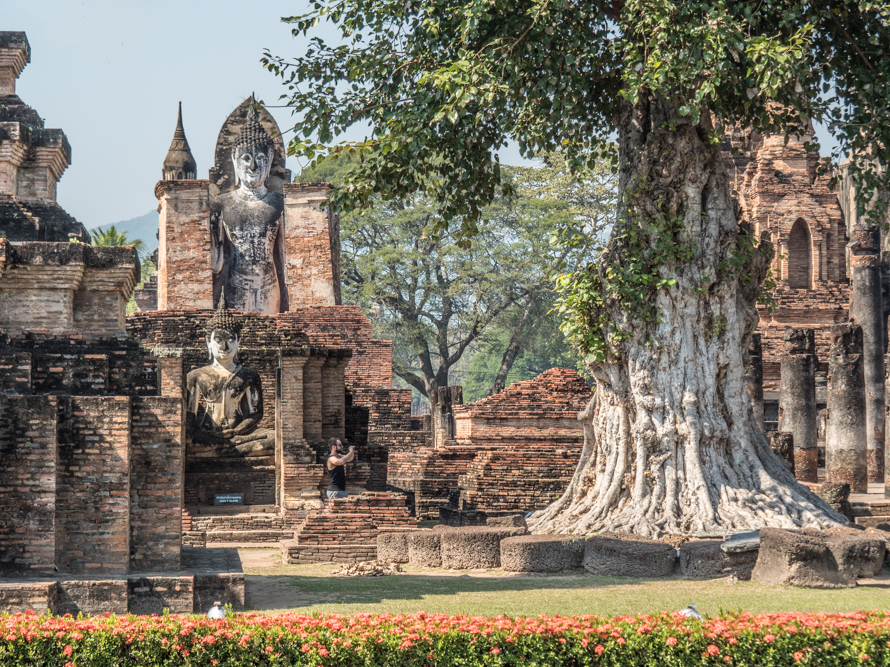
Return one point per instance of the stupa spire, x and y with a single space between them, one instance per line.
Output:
179 164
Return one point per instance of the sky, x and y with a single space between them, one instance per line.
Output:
110 73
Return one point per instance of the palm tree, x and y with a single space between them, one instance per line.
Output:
112 236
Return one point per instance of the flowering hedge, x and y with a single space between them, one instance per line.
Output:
430 639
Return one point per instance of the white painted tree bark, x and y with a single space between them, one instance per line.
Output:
670 441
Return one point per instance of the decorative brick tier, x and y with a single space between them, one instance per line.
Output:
428 475
346 529
504 482
544 407
513 452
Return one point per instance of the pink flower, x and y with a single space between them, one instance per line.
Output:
622 641
768 638
798 655
67 651
671 641
713 650
268 649
495 650
323 652
598 649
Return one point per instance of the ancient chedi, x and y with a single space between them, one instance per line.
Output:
251 333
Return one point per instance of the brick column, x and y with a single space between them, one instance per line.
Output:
797 400
312 246
312 398
754 373
298 473
28 492
170 379
93 487
866 310
845 438
333 401
184 276
157 455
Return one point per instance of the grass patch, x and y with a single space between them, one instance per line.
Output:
310 588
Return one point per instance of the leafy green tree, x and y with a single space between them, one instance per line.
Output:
664 317
434 294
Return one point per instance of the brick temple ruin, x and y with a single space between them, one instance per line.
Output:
121 462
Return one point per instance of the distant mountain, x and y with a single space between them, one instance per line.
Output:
144 227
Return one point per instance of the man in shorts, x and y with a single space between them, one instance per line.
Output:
336 467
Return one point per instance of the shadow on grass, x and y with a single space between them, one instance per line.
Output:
313 590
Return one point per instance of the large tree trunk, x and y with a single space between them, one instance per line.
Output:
670 441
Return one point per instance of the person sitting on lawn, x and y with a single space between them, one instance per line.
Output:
337 468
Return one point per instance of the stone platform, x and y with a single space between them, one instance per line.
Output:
346 529
245 523
208 575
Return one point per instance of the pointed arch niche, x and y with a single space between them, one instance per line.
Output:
800 256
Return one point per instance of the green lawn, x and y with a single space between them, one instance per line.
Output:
311 588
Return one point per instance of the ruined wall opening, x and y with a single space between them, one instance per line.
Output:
800 260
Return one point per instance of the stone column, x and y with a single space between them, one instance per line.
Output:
783 445
797 400
333 398
312 398
887 431
754 373
443 418
866 310
845 437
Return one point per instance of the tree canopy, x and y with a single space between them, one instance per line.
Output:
444 84
438 297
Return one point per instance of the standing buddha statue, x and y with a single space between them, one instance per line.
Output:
247 229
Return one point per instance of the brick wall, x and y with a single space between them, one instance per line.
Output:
93 486
28 485
312 246
156 492
185 279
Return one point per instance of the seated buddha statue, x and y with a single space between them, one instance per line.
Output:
247 230
225 399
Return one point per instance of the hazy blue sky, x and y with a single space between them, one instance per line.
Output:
110 72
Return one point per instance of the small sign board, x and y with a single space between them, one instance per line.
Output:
228 499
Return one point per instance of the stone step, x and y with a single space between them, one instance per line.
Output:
871 509
872 521
248 535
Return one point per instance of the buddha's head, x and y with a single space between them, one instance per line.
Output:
223 334
223 346
252 155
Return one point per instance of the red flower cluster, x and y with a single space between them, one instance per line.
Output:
437 639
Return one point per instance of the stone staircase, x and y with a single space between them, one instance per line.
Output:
346 529
871 514
255 523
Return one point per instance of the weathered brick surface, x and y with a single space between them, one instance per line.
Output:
153 594
787 204
92 596
156 492
515 451
311 245
185 279
347 528
28 485
93 487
